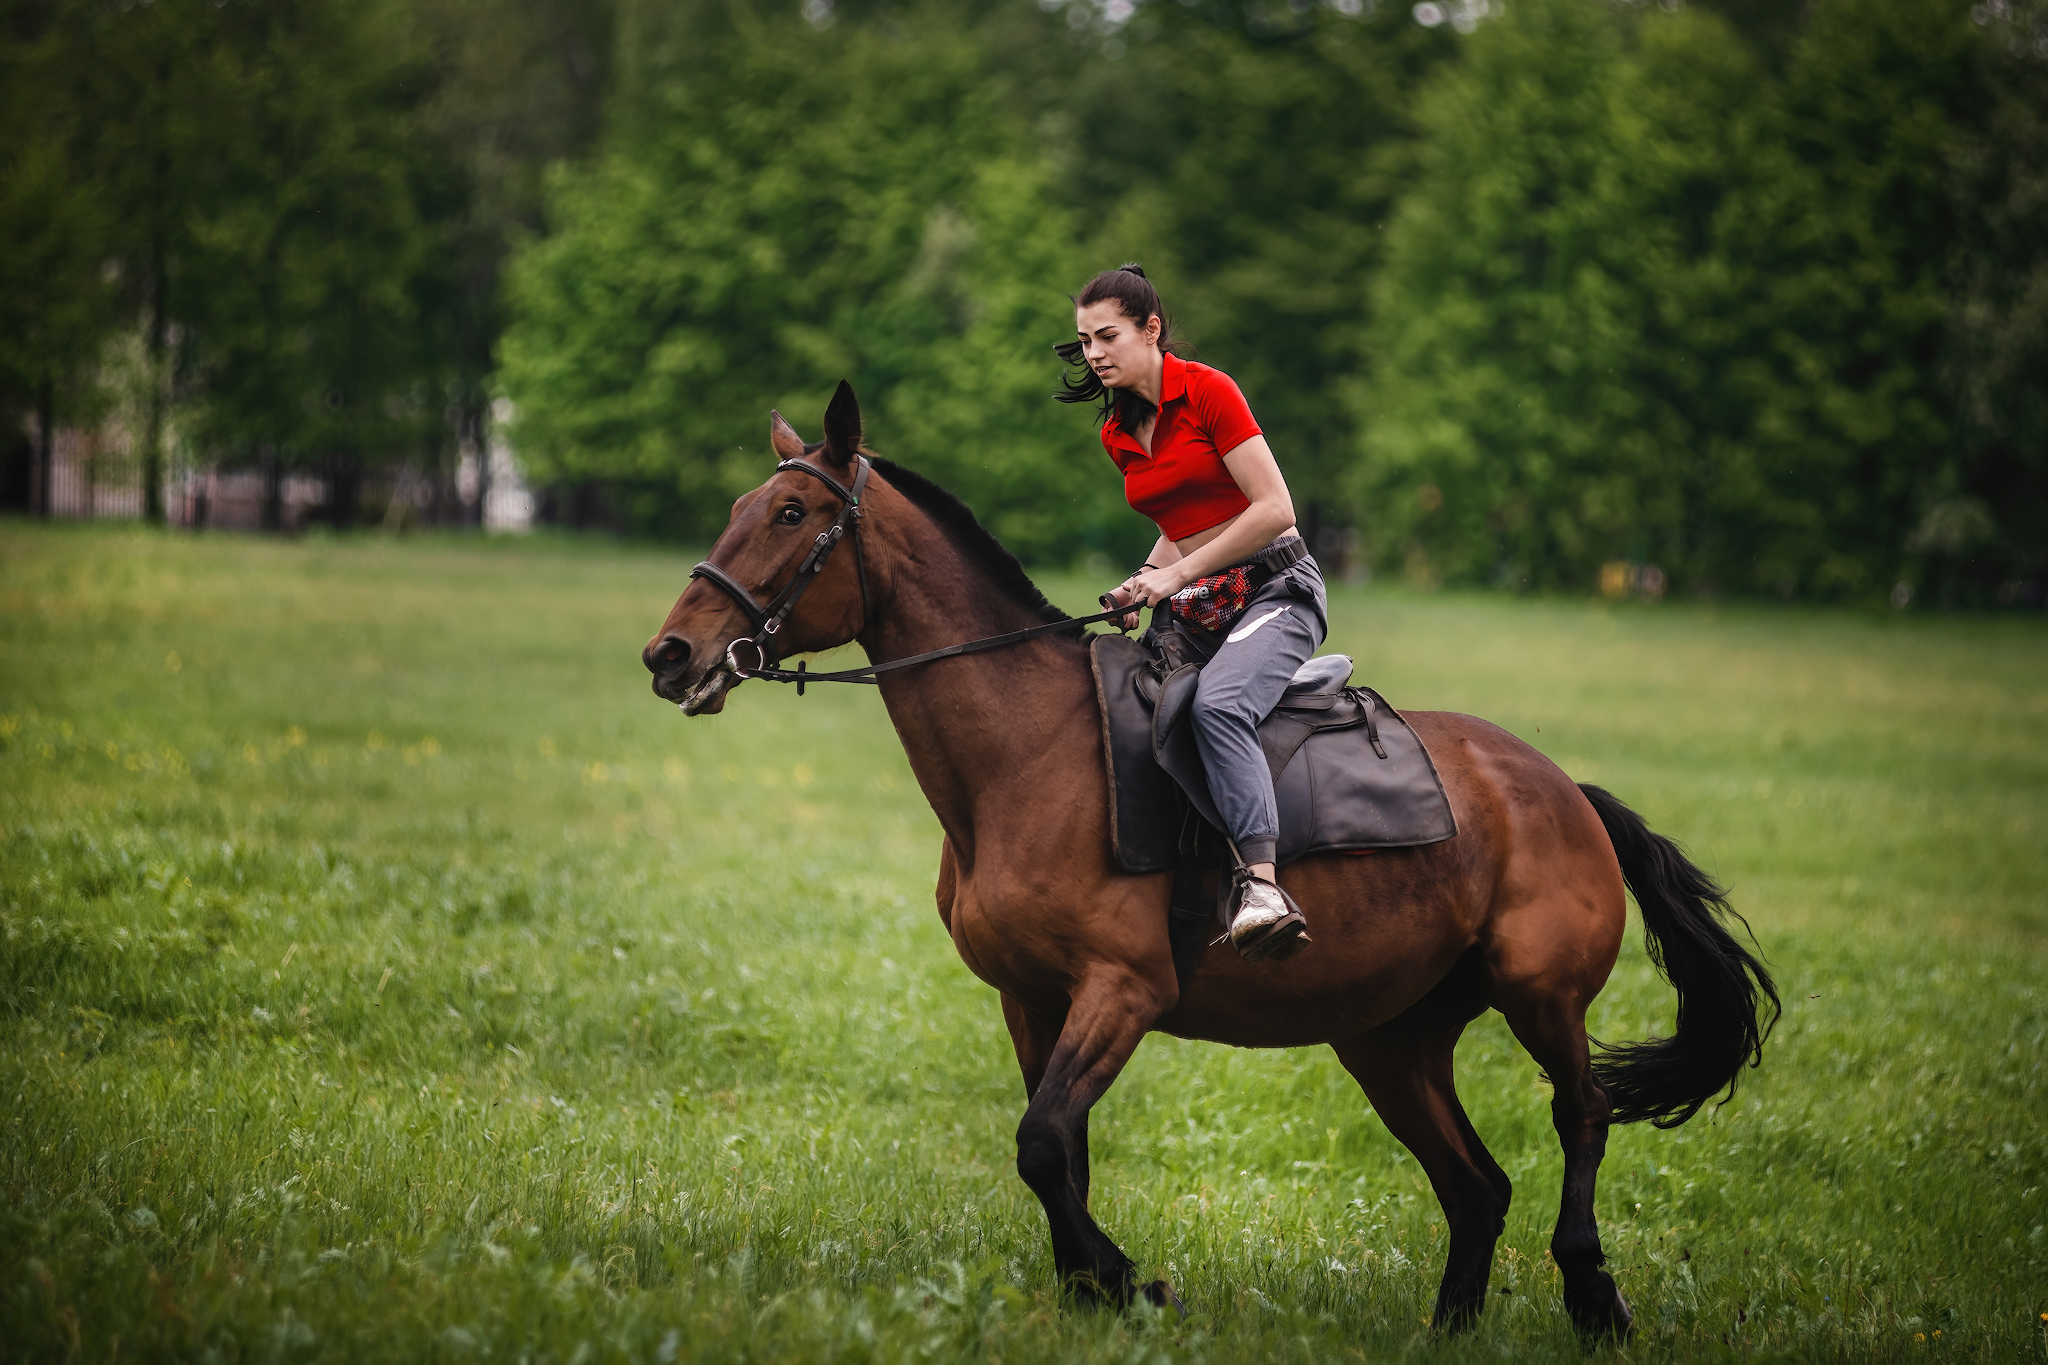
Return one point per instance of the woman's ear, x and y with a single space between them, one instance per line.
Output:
1154 325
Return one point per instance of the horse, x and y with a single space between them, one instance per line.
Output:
1522 911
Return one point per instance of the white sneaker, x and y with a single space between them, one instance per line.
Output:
1265 923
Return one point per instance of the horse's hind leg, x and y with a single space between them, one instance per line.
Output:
1068 1063
1552 1025
1405 1068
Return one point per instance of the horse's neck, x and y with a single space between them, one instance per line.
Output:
976 721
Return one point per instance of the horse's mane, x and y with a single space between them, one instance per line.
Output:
958 521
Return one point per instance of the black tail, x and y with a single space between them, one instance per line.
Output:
1666 1080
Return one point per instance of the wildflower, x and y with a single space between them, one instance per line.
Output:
1919 1336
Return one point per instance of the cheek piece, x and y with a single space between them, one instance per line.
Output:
757 654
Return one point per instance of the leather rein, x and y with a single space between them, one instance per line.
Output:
768 620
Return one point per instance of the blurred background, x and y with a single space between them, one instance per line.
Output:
1720 297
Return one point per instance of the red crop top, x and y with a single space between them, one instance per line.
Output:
1183 485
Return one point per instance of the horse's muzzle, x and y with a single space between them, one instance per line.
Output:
668 659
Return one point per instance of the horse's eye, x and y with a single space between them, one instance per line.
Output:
792 515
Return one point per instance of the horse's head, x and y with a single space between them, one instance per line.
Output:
774 532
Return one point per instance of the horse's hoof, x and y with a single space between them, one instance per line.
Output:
1601 1311
1160 1295
1450 1320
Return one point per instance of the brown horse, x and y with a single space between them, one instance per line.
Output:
1522 911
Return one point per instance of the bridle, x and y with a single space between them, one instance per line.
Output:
768 620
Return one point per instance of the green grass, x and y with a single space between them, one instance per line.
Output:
385 973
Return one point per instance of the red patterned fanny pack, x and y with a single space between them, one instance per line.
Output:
1213 603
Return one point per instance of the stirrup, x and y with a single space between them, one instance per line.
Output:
1271 939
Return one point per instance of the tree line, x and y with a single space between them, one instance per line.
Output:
1752 293
270 232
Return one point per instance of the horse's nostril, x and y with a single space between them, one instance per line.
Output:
666 654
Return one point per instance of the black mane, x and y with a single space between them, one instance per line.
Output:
958 521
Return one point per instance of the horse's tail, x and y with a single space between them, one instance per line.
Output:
1721 1023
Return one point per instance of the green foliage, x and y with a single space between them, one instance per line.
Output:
1254 156
1753 292
790 208
1649 300
707 264
299 206
301 245
343 1015
55 304
2000 320
1505 429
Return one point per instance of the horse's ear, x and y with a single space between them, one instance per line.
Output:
788 445
842 426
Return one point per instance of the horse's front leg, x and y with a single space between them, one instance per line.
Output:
1069 1059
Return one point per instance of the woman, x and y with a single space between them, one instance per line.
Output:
1246 595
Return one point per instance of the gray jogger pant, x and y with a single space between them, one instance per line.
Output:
1240 685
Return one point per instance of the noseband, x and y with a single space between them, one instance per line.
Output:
768 620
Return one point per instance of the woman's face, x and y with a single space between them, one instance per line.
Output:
1121 352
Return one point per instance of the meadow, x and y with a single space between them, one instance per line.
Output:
386 974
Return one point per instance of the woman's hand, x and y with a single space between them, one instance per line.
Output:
1147 588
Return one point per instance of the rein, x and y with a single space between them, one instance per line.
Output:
768 620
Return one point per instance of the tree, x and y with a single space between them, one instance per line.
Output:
57 300
779 208
1252 154
1652 300
1534 358
1987 536
300 205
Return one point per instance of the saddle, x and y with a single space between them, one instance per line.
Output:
1348 772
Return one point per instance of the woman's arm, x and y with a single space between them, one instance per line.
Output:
1271 514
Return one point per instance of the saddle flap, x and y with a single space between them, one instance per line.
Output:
1144 819
1176 696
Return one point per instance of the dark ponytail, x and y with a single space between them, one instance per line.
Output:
1137 300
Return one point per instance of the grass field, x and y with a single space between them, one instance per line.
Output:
385 973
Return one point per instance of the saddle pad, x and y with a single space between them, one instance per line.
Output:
1333 790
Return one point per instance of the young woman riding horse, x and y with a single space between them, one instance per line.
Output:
1522 911
1196 464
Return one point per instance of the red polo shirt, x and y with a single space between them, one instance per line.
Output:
1183 485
